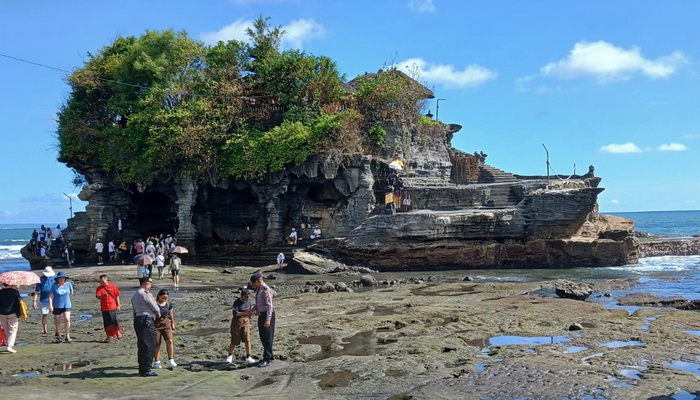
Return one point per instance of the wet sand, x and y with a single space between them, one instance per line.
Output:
425 339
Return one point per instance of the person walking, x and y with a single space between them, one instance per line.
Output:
240 326
41 296
266 317
60 305
160 264
165 325
146 310
175 264
9 315
109 293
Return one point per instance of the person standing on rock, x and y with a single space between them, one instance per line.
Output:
146 310
109 293
266 317
280 261
240 326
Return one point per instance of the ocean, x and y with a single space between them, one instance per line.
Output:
667 276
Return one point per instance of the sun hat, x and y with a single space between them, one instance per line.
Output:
62 275
48 272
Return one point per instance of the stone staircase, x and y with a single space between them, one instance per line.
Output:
501 196
489 174
259 257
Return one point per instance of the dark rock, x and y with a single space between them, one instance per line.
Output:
468 279
368 280
575 327
572 290
327 287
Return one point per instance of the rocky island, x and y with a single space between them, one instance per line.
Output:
277 140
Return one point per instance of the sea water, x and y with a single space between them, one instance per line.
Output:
12 238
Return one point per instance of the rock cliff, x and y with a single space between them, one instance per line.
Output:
463 213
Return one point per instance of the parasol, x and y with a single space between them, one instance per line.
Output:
19 278
179 250
143 259
396 164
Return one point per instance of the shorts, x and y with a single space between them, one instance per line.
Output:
175 272
240 331
59 311
44 309
163 329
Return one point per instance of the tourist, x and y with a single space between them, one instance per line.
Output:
99 248
49 237
9 315
175 264
57 233
41 293
240 326
60 305
42 233
146 310
280 261
138 247
108 293
165 325
316 233
160 264
112 251
266 317
292 237
122 252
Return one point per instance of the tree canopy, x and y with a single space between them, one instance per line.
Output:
164 105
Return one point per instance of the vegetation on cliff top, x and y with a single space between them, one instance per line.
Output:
164 105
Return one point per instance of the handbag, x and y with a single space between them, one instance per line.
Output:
2 336
23 310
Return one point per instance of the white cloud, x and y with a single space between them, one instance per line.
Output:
446 75
621 148
672 147
300 31
426 6
234 31
691 136
614 201
606 62
296 33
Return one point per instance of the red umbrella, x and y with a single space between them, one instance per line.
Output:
143 259
19 278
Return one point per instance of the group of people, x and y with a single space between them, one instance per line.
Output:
293 237
46 241
159 249
154 320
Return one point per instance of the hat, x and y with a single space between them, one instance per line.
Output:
144 280
256 276
48 272
294 229
245 290
62 275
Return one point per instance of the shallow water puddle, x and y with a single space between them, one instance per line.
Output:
334 379
685 366
361 344
507 340
620 343
696 333
81 318
576 349
683 395
619 383
27 374
647 322
264 382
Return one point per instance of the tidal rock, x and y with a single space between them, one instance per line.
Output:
368 280
327 287
573 290
575 327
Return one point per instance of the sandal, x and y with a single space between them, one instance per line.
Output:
68 339
57 339
45 334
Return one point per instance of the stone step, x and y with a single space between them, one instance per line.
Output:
489 174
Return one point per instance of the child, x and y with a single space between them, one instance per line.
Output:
240 326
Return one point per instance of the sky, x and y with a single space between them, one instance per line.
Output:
612 84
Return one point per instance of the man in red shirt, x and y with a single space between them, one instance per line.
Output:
108 293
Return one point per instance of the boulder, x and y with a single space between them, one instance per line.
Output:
368 280
573 290
326 287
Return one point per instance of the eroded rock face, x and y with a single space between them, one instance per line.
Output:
505 221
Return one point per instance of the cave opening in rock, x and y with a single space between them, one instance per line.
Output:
325 193
153 213
233 214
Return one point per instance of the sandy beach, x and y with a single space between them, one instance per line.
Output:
414 339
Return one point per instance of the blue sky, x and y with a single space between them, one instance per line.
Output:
608 83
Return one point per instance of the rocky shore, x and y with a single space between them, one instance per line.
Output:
437 337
